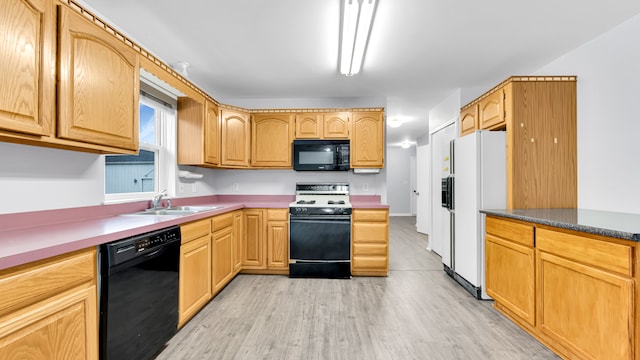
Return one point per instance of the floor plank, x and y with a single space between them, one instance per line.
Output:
417 312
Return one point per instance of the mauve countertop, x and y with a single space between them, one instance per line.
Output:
613 224
27 237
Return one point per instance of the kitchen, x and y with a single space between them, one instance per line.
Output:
41 179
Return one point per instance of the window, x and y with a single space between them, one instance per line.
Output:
139 177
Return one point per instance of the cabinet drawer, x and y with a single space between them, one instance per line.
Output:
510 230
370 249
194 230
278 214
221 221
27 284
370 262
370 232
602 254
370 215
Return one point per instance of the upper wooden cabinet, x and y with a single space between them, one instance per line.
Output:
27 94
468 119
539 116
491 111
98 85
235 138
322 125
308 126
367 139
336 125
198 132
271 137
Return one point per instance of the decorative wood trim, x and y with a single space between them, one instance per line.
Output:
568 78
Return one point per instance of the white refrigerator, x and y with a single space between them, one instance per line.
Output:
480 172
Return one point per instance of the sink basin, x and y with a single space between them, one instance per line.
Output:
177 210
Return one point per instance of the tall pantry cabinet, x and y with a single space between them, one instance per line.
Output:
539 116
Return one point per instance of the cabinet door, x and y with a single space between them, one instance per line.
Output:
212 134
27 63
588 310
468 120
195 277
98 85
336 126
278 245
238 236
367 140
308 126
271 140
234 131
510 276
370 243
253 253
222 257
61 327
491 110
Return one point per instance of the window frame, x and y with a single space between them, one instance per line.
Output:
165 154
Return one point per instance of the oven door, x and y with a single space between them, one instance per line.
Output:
320 246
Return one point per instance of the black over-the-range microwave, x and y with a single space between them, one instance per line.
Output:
321 155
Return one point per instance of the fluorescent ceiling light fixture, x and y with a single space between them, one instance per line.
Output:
357 17
406 144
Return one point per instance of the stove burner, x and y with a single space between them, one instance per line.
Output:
332 202
306 202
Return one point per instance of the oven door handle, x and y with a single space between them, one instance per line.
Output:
320 217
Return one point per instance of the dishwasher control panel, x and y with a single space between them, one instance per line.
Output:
125 249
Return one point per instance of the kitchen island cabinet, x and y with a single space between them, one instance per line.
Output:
48 309
370 242
583 302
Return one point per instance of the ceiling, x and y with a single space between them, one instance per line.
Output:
419 51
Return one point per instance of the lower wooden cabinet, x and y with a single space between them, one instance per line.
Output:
222 250
585 295
238 236
48 309
510 267
253 253
278 239
370 242
266 241
195 288
582 301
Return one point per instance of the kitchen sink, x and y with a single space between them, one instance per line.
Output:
176 210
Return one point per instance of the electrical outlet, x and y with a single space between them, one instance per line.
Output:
235 187
193 187
365 187
180 187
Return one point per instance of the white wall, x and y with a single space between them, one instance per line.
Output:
283 182
608 87
398 178
37 178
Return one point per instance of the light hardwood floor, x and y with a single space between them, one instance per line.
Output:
417 312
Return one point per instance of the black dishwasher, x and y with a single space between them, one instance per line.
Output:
139 294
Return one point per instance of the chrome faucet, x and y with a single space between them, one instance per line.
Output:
155 202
